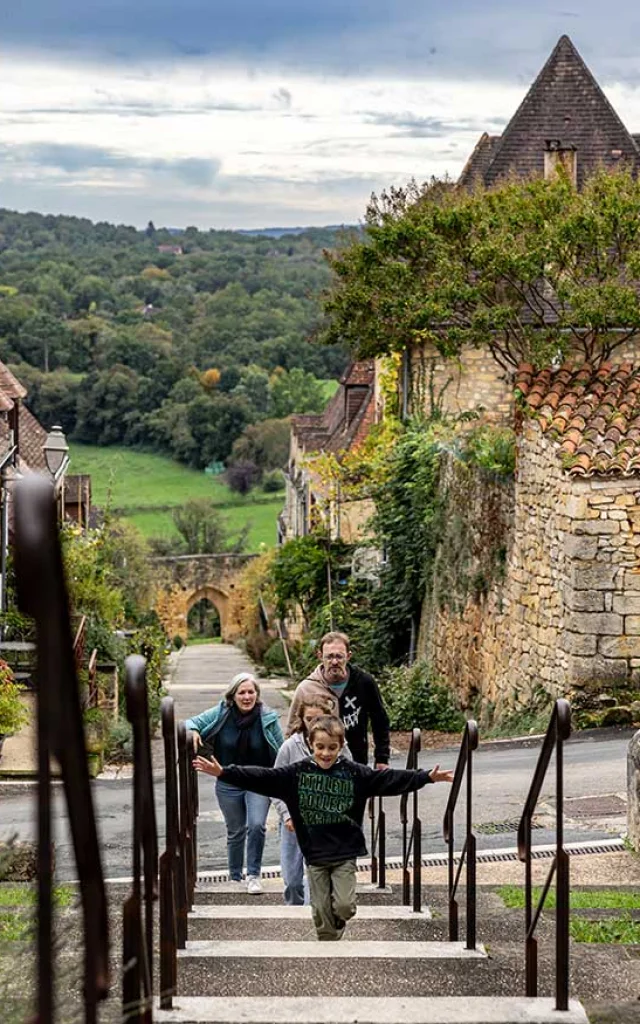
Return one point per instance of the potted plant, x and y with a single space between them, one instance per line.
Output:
13 713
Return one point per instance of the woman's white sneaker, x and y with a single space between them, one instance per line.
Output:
254 885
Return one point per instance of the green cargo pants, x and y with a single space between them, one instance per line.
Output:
333 897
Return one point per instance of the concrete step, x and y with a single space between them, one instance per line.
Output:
225 895
361 967
248 921
312 1010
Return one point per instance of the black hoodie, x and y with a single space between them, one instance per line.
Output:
326 805
359 707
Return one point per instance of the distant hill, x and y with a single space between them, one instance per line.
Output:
175 341
279 232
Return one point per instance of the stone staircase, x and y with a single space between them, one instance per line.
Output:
252 960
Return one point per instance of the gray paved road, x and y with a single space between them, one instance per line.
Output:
502 779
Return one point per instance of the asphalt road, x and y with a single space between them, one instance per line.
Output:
593 768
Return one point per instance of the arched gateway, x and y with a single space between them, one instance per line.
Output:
188 579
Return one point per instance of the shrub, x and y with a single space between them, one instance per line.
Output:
273 482
413 698
274 660
257 644
13 714
242 476
120 742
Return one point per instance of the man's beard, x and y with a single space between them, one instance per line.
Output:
335 675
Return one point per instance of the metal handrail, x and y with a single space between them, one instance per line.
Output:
378 842
42 595
412 843
169 862
558 732
80 631
92 674
465 763
188 783
137 936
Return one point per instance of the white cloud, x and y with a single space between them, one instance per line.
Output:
282 148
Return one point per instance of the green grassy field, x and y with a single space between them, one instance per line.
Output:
144 487
262 520
329 388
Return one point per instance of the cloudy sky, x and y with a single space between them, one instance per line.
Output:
252 113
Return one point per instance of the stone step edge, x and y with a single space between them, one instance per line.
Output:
367 1010
430 860
268 912
362 949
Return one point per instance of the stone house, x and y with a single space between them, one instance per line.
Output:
565 118
563 613
342 426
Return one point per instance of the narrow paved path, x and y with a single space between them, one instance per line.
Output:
202 675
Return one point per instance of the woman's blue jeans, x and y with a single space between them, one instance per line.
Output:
296 887
245 815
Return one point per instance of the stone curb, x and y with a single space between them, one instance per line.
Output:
579 736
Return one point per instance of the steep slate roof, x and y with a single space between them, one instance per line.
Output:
565 103
338 427
593 414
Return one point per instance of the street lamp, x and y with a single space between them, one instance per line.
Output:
56 451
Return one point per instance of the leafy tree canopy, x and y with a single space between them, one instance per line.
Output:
133 315
532 269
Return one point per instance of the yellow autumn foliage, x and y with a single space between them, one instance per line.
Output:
253 582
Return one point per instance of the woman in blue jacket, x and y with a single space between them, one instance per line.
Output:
242 731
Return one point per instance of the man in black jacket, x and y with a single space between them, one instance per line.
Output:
355 696
326 796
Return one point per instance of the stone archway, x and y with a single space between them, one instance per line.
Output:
185 579
220 601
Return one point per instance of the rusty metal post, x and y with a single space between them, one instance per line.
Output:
169 863
42 594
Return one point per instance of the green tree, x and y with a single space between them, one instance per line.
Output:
295 391
265 443
203 529
532 269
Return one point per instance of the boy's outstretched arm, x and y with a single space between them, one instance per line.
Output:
275 782
395 781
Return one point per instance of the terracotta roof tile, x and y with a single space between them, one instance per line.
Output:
338 428
10 386
593 414
32 437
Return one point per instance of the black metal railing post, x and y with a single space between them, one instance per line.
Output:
137 937
169 862
558 732
182 888
377 818
412 841
468 855
417 835
42 594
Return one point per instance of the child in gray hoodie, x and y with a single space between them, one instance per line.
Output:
296 748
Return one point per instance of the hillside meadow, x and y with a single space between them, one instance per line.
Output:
145 487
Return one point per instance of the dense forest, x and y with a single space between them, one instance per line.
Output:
179 342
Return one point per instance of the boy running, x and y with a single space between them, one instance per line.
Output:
326 795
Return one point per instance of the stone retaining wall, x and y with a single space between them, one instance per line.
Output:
565 618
